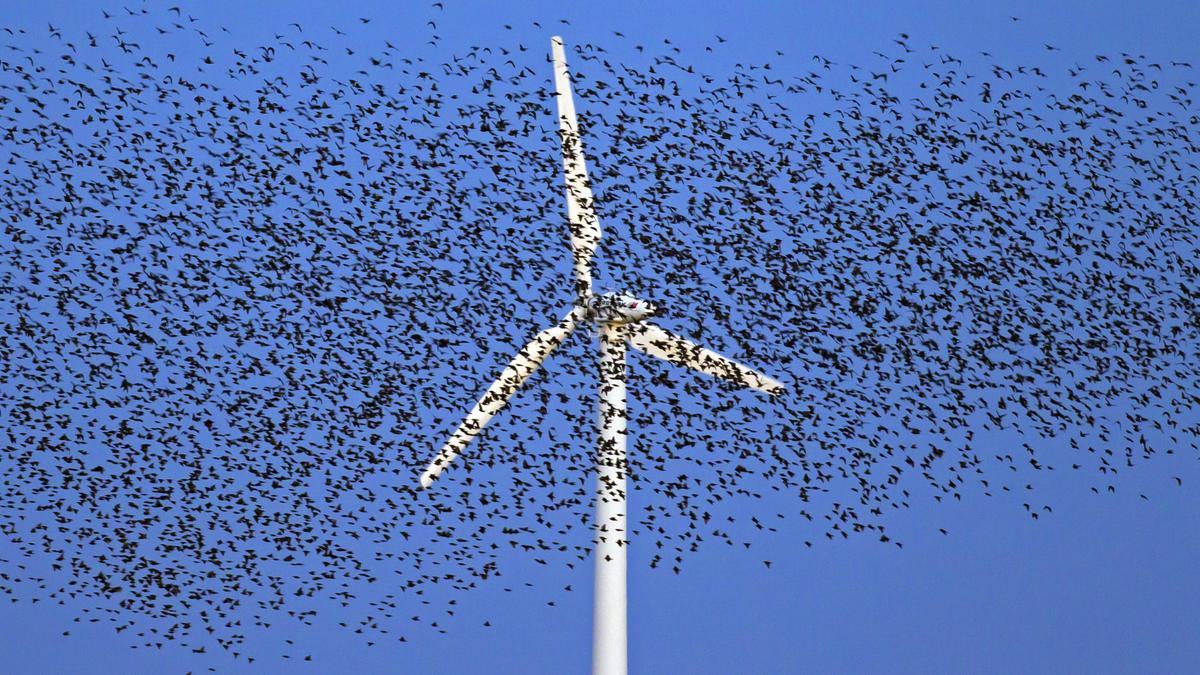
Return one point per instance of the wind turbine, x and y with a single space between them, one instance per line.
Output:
620 319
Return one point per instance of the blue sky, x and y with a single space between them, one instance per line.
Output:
1104 584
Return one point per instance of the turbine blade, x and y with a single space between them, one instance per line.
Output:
585 227
655 341
522 366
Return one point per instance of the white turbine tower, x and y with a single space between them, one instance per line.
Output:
620 319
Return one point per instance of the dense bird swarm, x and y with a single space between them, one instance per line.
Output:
247 293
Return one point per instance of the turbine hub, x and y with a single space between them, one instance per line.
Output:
618 308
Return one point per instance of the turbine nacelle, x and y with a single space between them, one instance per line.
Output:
618 308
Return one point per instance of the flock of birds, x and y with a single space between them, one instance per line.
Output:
246 293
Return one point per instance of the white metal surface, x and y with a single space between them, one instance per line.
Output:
609 613
658 342
585 228
620 318
522 366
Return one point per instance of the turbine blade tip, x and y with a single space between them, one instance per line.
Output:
426 480
772 386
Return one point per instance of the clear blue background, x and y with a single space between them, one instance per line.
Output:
1104 584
